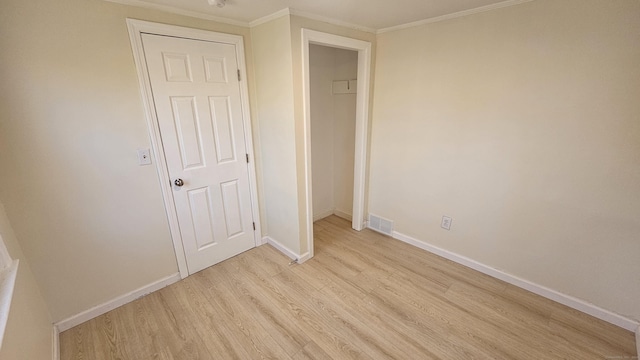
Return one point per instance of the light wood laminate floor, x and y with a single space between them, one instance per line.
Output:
363 296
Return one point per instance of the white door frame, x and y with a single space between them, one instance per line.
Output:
362 122
136 29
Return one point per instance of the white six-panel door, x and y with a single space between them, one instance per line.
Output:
196 95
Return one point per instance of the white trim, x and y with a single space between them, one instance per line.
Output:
543 291
336 212
286 251
308 15
458 14
55 343
343 214
250 24
5 258
283 249
7 286
362 122
304 257
323 215
267 18
136 29
178 11
107 306
638 340
329 20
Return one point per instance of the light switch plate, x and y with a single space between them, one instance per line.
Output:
144 157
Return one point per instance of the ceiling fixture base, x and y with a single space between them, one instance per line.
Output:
218 3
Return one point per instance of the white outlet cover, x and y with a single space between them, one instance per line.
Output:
446 223
144 157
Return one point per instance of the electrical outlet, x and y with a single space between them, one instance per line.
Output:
446 223
144 157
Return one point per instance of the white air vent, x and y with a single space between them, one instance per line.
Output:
381 224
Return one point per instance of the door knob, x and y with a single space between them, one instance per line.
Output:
178 182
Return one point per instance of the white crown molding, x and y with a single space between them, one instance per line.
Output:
311 16
178 11
262 20
458 14
265 19
308 15
329 20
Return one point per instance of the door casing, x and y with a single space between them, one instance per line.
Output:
362 125
136 29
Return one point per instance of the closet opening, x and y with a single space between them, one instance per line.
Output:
333 85
336 74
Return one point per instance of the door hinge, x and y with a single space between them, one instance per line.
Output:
254 226
247 158
239 75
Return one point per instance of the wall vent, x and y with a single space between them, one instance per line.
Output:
381 224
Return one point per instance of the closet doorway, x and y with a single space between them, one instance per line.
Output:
333 81
336 108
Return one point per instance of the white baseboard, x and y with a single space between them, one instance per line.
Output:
55 342
98 310
304 257
543 291
339 213
342 214
283 249
322 215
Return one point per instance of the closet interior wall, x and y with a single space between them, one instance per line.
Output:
333 120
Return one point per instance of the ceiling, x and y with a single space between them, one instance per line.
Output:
367 14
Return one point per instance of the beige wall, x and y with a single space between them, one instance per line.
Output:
332 129
28 334
274 104
523 124
89 219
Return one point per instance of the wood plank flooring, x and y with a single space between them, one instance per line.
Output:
363 296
